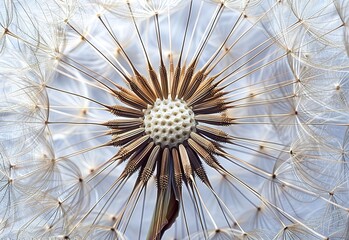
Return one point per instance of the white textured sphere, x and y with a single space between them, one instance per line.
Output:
169 122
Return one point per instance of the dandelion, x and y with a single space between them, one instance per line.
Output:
174 119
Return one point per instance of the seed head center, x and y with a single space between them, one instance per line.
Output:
169 122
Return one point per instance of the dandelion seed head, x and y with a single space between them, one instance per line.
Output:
174 119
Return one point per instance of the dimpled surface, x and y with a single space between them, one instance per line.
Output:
169 122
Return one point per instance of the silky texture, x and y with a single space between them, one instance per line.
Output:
262 154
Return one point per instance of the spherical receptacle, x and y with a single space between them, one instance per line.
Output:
169 122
